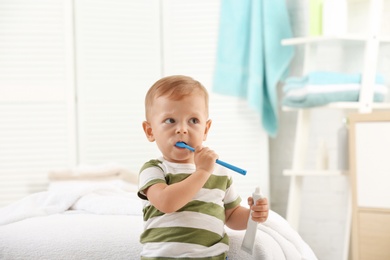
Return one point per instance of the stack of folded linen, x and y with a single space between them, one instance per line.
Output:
320 88
87 175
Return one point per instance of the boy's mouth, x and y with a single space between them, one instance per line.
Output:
180 144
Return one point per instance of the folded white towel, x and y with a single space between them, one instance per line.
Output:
38 204
109 201
70 184
97 199
94 172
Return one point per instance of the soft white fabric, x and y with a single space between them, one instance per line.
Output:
111 201
90 176
64 185
94 172
98 199
77 235
72 236
278 225
275 239
44 226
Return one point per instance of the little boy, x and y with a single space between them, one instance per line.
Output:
187 197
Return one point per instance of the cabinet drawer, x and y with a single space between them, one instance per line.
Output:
374 234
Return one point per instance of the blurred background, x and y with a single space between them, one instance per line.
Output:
73 76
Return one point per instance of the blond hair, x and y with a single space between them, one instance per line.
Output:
175 88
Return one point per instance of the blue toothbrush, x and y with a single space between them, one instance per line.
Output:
227 165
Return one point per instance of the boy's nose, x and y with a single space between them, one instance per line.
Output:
181 129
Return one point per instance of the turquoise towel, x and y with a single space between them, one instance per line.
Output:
319 88
326 78
250 57
310 97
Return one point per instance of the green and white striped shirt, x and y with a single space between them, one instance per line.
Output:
196 231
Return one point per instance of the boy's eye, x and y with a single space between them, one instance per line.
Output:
194 121
169 121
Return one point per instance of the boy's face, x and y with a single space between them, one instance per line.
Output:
173 121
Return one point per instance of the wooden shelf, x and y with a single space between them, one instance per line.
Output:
348 37
371 42
290 172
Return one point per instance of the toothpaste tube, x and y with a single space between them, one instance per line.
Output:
251 229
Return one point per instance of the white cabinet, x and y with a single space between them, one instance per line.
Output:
369 169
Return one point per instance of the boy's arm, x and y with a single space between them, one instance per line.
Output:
170 198
237 217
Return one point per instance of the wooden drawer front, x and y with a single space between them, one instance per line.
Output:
374 235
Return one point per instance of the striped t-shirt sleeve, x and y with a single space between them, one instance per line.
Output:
232 198
150 174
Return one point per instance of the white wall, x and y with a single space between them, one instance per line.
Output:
73 79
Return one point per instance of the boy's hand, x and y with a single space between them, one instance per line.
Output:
260 210
204 159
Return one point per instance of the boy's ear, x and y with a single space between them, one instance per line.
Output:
206 130
148 131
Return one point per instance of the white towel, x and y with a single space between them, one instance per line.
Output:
98 199
37 204
94 172
275 239
293 244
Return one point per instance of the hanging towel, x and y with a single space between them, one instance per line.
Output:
250 57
